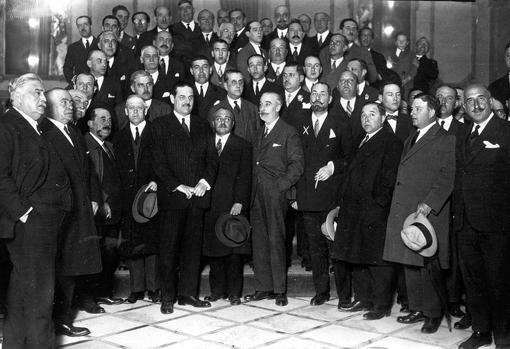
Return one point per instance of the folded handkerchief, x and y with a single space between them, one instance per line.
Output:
306 105
176 75
123 77
276 145
332 133
166 94
489 145
110 96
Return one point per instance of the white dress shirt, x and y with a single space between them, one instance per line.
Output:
424 130
140 126
61 126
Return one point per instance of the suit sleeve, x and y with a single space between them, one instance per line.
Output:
344 129
162 169
295 162
242 185
212 162
443 185
383 190
68 65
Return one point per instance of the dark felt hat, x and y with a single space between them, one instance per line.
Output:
232 231
145 205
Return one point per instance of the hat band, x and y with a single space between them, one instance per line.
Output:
426 235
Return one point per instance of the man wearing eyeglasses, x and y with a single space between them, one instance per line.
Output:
481 214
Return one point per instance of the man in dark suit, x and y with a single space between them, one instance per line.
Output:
500 88
140 22
447 96
424 185
366 39
396 121
185 32
364 207
221 57
245 113
185 163
163 20
132 146
257 67
401 62
333 61
35 195
99 288
231 194
365 92
326 145
254 34
107 90
297 100
481 218
238 19
278 164
281 19
277 60
142 86
122 14
298 48
205 94
77 53
78 250
323 36
203 44
426 68
313 71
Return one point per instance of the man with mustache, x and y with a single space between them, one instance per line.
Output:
281 19
107 90
77 53
298 48
333 60
254 34
221 61
163 20
257 67
277 59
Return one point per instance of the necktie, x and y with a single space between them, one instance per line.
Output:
87 45
184 126
415 137
189 28
137 136
219 146
96 86
266 131
289 96
349 108
320 40
67 131
277 72
236 107
442 124
473 136
220 73
162 64
316 128
391 117
333 65
257 91
295 54
207 38
201 91
38 128
363 141
107 151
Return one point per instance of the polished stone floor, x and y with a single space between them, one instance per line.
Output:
251 325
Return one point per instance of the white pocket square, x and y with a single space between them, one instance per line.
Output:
110 96
332 133
306 105
489 145
123 77
276 145
176 75
166 94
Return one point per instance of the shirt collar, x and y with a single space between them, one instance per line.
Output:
482 124
231 102
261 82
100 141
239 32
292 94
162 30
370 135
298 47
324 35
191 25
31 121
361 87
271 125
89 39
140 126
281 32
447 122
256 47
179 117
223 138
148 103
205 86
425 129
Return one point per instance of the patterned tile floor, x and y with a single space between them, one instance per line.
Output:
251 325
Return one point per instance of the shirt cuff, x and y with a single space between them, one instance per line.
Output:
24 218
204 182
332 166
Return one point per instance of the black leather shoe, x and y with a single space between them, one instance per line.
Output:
193 301
412 318
405 308
234 300
109 300
343 304
355 306
431 324
259 295
454 310
319 299
134 296
463 323
154 296
71 331
281 299
376 314
477 340
215 297
167 307
91 307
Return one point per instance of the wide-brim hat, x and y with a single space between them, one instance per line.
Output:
328 228
232 231
419 235
145 205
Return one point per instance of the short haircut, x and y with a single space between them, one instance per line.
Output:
402 33
75 78
92 52
361 61
320 13
229 72
237 9
205 11
137 74
432 102
198 58
379 106
256 55
299 69
220 41
370 29
90 115
345 20
145 48
276 94
80 17
110 17
147 18
323 83
184 2
387 82
248 25
296 21
412 90
180 84
156 10
345 42
17 83
100 36
212 112
266 19
448 86
118 8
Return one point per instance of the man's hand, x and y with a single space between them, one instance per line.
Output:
236 209
200 189
95 207
107 210
423 208
152 186
186 190
324 173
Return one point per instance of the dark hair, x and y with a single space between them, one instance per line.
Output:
119 7
368 28
299 68
296 21
448 86
184 2
156 9
379 106
248 25
110 17
181 83
79 17
432 101
237 9
220 41
256 55
342 23
211 115
387 82
361 61
323 83
228 72
198 58
147 18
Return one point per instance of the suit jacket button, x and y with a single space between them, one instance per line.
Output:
398 183
257 162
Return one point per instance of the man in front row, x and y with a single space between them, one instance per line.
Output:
278 164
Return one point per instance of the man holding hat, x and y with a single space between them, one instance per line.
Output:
226 231
424 184
140 234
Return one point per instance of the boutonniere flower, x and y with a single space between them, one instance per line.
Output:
300 98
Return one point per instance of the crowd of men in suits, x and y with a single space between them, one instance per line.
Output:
268 124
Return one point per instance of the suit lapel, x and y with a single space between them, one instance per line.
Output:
490 129
424 140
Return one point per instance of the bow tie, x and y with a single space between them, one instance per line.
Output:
391 116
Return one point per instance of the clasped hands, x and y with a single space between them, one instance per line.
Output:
198 190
